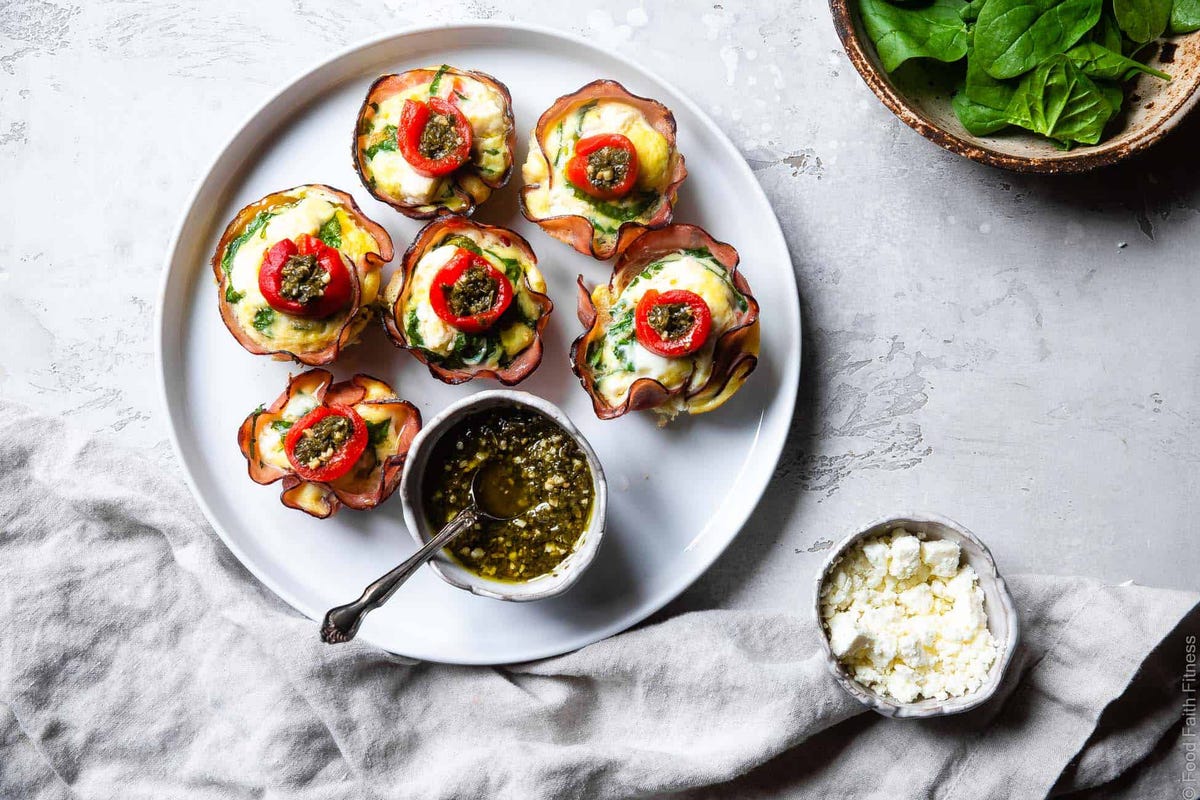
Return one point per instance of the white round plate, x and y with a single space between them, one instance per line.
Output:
677 496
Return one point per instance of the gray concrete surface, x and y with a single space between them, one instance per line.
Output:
1019 353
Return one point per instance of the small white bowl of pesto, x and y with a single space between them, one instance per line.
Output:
541 552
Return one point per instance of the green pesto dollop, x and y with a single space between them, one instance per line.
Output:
545 472
303 279
671 320
607 167
473 293
439 138
319 443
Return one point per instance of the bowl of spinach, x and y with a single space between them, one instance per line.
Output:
1029 85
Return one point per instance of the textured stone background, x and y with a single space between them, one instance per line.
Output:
1019 353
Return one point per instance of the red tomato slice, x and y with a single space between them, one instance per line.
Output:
682 343
614 144
452 273
345 457
445 149
336 294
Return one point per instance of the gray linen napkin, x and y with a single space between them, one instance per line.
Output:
139 660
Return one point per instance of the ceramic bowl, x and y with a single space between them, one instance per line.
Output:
543 586
922 101
998 604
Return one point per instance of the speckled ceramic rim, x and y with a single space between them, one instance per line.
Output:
1081 160
1001 614
571 568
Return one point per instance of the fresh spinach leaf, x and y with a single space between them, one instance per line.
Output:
256 225
331 232
1013 37
1107 32
970 12
263 319
1058 101
377 431
936 30
978 119
984 90
1185 16
1142 20
388 143
1099 62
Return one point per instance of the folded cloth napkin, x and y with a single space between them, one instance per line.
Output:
139 660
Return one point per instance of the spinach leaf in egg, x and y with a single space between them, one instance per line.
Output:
331 232
257 225
264 318
387 143
377 432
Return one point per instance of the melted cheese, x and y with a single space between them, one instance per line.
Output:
556 196
270 437
439 338
624 360
484 107
305 213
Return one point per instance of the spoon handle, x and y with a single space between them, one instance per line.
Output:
341 623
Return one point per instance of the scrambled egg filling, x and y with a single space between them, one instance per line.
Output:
617 359
387 170
445 344
556 196
383 437
317 213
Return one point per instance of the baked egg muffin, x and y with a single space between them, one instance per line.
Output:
298 273
675 329
469 302
602 167
332 444
435 141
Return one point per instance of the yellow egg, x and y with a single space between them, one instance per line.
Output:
653 152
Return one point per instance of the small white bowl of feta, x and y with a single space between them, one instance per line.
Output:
915 618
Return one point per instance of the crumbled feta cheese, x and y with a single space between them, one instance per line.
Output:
904 556
941 556
906 619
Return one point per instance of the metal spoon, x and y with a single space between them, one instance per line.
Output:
487 493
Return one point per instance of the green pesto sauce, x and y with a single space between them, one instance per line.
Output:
439 138
319 443
303 279
607 167
544 471
671 320
473 293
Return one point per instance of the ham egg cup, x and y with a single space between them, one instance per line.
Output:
332 444
675 329
469 302
435 141
298 273
602 168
